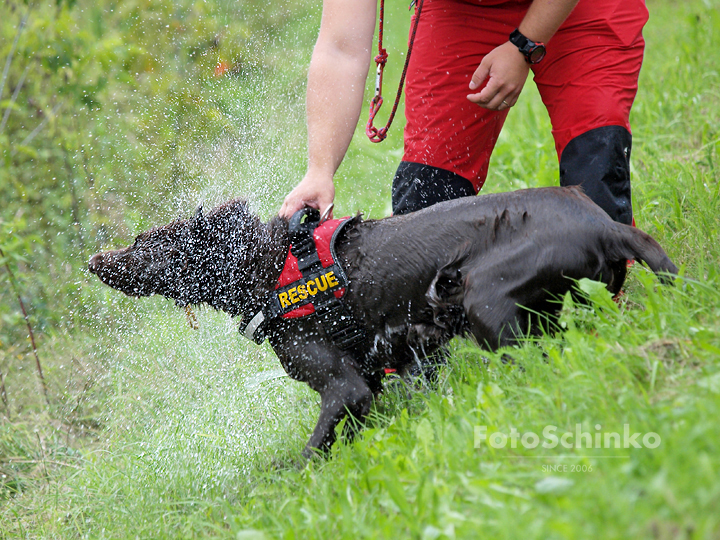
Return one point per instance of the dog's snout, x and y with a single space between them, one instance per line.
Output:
95 262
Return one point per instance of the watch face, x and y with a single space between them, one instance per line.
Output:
537 54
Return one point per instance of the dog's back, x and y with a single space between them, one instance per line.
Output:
473 264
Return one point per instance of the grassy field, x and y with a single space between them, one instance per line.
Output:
159 431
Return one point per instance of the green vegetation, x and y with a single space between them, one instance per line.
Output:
115 116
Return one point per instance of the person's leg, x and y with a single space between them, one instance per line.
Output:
418 186
588 82
599 161
448 139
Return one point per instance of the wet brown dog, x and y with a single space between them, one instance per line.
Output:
488 266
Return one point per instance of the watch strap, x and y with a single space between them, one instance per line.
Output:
533 51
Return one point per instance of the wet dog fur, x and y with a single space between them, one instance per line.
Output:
491 267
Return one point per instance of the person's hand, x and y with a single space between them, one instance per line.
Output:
506 70
315 190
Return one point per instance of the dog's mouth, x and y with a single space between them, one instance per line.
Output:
114 272
96 263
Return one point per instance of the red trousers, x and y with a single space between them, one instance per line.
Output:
588 79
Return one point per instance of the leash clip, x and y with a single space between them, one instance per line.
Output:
326 213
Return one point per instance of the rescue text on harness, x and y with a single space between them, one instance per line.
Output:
295 294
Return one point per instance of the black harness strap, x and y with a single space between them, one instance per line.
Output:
302 243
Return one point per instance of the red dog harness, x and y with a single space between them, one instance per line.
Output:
295 293
312 282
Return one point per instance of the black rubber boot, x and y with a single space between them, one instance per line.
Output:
599 162
418 186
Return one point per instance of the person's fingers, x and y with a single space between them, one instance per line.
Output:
487 94
289 207
493 89
285 210
501 101
308 194
482 76
481 73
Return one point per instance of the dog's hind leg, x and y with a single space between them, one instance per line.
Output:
493 316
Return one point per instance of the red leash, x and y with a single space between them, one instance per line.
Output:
374 134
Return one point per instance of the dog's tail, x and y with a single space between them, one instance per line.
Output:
632 243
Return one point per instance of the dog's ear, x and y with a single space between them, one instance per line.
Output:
199 223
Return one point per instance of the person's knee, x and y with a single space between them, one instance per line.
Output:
417 186
599 162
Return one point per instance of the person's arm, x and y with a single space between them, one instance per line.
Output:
505 67
336 83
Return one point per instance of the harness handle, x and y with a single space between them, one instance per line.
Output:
298 226
374 134
302 244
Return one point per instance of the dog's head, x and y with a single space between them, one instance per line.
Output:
213 258
156 263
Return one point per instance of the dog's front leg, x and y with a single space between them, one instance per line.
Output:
331 373
344 393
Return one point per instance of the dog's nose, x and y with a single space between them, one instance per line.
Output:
94 263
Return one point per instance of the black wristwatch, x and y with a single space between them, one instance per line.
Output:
533 52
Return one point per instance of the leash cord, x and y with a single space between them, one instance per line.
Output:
374 134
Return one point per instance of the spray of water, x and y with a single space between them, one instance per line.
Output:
203 407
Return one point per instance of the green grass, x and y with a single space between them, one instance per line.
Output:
159 431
